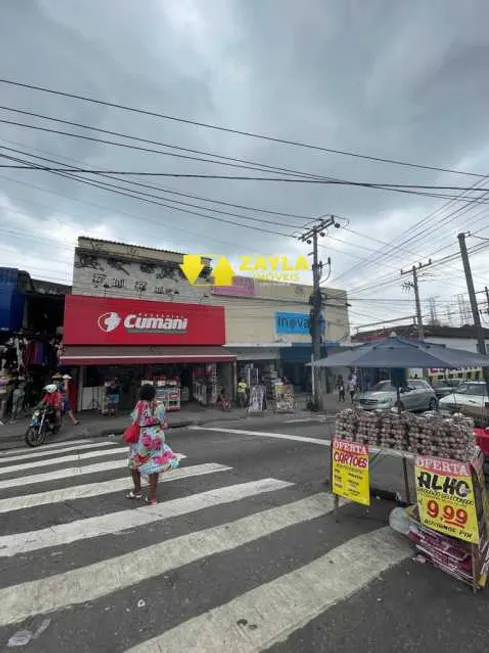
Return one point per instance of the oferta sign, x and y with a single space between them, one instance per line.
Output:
265 268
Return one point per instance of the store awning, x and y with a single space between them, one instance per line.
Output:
119 355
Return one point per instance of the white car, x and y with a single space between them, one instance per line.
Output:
470 398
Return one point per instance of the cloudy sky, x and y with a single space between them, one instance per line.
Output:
404 80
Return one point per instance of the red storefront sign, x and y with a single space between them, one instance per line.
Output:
102 321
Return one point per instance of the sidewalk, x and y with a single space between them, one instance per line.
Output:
93 424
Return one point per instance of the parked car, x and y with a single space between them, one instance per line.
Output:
470 398
446 387
417 395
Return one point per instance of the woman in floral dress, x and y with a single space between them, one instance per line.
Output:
150 455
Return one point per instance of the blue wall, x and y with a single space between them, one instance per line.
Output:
12 301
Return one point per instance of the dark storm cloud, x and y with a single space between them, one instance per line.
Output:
405 80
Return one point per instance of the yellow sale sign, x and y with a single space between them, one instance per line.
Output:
351 477
445 495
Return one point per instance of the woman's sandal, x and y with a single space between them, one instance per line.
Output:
151 502
135 496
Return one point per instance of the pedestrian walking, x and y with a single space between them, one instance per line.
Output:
341 389
352 386
242 392
149 455
113 394
63 383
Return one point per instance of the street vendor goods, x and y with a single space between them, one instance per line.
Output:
428 434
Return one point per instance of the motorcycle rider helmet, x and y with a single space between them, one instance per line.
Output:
51 388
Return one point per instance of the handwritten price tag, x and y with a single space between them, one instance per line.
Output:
445 495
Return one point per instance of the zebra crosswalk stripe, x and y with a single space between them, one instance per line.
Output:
115 522
67 472
276 609
98 489
51 448
88 583
59 450
72 458
273 508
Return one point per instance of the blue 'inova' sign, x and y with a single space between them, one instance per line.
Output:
294 323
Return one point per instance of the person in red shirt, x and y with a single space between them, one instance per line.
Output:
54 399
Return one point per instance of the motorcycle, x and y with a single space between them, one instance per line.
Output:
43 421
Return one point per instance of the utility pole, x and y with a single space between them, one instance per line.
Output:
487 299
311 237
481 342
415 286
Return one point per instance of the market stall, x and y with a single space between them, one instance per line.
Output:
449 523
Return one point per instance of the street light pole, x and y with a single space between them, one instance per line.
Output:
311 237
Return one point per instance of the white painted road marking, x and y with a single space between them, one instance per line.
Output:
116 522
71 458
18 602
42 452
97 489
277 609
265 434
55 445
67 472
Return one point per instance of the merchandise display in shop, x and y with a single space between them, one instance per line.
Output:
284 398
428 434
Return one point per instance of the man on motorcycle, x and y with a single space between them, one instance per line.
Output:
54 399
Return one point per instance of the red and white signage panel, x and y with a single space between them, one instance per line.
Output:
102 321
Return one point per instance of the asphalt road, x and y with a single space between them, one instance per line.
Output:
243 553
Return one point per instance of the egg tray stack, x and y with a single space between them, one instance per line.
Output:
432 435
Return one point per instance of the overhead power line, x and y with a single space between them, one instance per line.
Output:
230 130
155 199
172 191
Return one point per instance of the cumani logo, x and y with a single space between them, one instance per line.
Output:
108 322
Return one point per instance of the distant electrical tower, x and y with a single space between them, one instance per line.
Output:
463 309
433 314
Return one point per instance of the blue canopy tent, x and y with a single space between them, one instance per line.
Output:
394 352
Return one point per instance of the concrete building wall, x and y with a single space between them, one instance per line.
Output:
119 270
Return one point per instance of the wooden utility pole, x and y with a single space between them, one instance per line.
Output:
311 237
481 342
415 286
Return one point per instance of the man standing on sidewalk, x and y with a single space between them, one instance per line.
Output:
352 386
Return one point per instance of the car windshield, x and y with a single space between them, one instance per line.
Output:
383 386
474 389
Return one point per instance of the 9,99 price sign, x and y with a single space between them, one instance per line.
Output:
445 495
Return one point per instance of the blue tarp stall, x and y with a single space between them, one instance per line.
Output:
12 300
